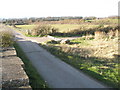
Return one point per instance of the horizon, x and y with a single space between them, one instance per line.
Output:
52 8
59 16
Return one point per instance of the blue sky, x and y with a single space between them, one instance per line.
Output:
45 8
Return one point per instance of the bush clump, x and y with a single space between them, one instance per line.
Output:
42 30
6 38
53 42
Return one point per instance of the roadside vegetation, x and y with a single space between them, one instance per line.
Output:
99 59
6 37
95 54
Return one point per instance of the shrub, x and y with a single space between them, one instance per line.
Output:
88 37
42 30
53 42
111 34
100 35
101 26
6 38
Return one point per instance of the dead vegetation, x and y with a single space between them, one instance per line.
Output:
6 36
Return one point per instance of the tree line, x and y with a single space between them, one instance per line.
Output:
25 21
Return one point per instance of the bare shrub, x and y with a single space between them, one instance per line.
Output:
28 32
101 26
111 34
100 34
53 42
54 30
6 38
42 30
89 37
117 33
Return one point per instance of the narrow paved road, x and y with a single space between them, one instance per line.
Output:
55 72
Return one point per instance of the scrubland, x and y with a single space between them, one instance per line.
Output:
95 52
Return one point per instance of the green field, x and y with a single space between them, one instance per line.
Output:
112 21
69 27
25 26
61 27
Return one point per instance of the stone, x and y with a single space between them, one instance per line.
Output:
13 74
50 37
55 39
12 60
9 51
65 41
26 87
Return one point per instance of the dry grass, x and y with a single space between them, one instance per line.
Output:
102 48
98 58
6 36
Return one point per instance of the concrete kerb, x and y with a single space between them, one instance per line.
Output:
13 74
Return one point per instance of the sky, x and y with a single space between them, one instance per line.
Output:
47 8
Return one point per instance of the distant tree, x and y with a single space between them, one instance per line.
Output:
89 18
113 17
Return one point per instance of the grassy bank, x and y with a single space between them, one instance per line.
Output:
36 81
80 54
